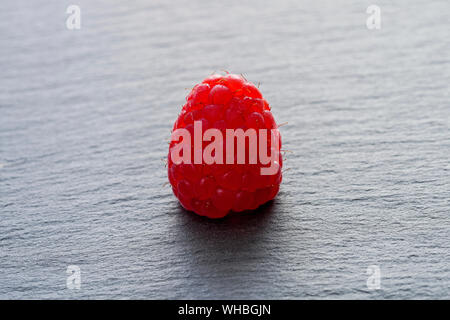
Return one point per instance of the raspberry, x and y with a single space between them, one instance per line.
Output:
215 189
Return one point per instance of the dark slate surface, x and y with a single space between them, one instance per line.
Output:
86 115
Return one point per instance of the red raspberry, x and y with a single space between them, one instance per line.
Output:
213 190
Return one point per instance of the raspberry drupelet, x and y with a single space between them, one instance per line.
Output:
214 190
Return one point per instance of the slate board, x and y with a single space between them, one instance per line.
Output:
86 115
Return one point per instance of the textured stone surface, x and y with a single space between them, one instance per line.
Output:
86 116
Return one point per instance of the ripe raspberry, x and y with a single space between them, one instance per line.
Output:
213 190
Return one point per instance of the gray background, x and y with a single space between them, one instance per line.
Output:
86 116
